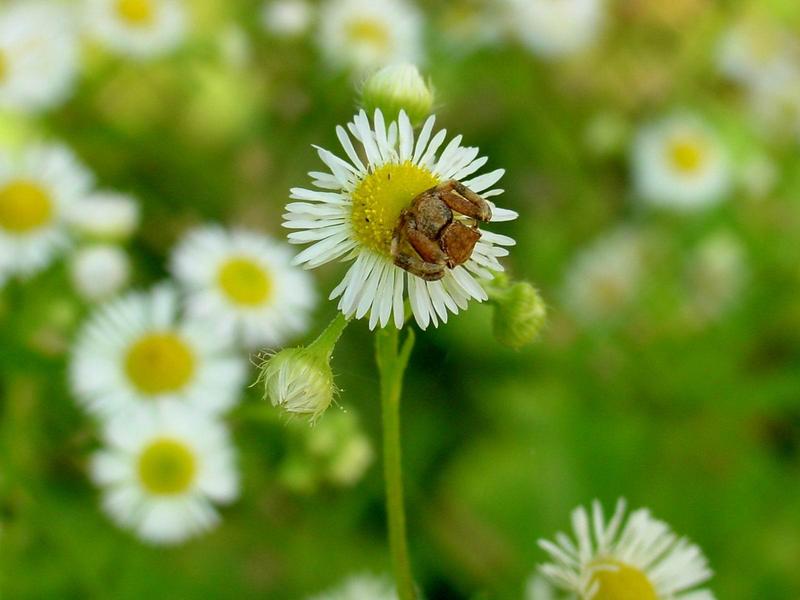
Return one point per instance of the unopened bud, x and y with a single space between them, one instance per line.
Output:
395 88
519 315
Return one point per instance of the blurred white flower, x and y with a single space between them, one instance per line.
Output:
776 104
99 271
368 34
469 25
356 207
105 216
754 52
243 282
38 55
539 588
556 28
287 18
361 587
139 349
38 188
679 162
605 277
162 470
139 29
716 275
641 559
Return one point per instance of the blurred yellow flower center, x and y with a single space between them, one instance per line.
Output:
686 154
381 197
24 207
369 31
158 363
167 467
622 583
136 12
244 281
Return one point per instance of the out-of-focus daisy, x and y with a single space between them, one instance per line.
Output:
162 470
38 188
754 52
605 277
105 216
776 104
244 283
139 349
614 560
716 275
367 34
361 587
679 162
470 25
354 212
140 29
286 18
556 28
99 271
38 55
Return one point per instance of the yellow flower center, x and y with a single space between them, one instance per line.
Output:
687 154
160 362
136 12
24 207
244 282
381 197
371 32
622 583
167 467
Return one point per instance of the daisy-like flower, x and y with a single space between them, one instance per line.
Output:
614 560
353 213
105 216
38 187
679 162
367 34
99 271
754 52
361 587
140 29
139 349
776 104
287 18
244 282
556 28
162 470
38 55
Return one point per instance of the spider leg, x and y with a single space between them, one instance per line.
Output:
463 200
420 268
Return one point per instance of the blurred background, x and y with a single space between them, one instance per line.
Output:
669 369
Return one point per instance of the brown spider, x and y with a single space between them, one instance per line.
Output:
428 238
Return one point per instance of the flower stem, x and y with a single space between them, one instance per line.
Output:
392 365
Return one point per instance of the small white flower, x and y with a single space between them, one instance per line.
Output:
286 18
105 216
140 29
776 104
754 52
38 188
162 470
361 587
470 25
641 559
367 34
556 28
353 213
244 283
99 271
679 162
139 349
38 55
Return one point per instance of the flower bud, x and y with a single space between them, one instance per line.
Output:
519 315
99 271
395 88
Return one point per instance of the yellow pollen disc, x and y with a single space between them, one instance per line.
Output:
381 197
158 363
369 31
686 154
136 12
167 467
244 281
622 583
24 207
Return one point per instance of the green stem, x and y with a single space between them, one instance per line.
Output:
328 338
391 367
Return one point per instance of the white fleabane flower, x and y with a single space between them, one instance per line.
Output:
361 587
353 213
754 52
162 470
140 29
679 162
286 18
106 216
244 283
556 28
139 349
367 34
99 271
38 188
615 560
38 55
